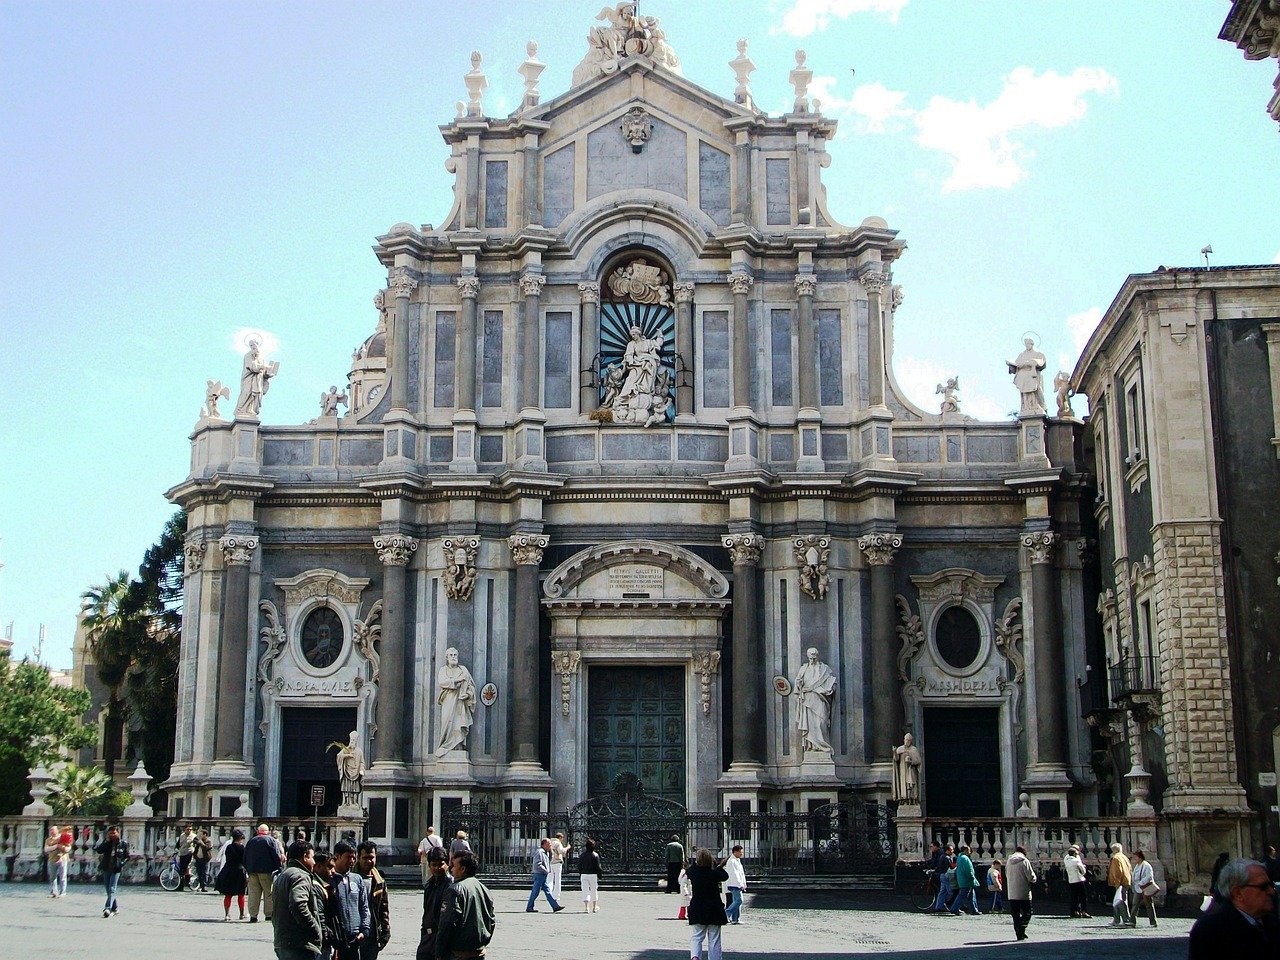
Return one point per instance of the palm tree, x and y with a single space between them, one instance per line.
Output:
112 625
75 787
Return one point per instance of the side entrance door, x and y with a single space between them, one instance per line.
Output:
636 725
962 769
306 759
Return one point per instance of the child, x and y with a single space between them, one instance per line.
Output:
995 884
686 894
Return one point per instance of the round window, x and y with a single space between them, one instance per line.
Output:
957 637
322 637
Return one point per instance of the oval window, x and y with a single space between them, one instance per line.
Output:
322 637
957 637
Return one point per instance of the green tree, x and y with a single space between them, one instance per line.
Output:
37 722
75 789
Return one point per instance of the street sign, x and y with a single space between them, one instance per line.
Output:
317 794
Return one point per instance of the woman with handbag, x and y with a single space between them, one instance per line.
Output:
1145 889
232 879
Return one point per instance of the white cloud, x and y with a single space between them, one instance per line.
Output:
980 140
874 107
1081 326
268 343
809 16
1277 258
919 378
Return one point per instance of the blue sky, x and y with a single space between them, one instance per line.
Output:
174 173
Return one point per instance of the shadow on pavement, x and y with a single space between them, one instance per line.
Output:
1151 949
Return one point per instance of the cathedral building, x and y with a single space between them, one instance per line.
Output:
626 489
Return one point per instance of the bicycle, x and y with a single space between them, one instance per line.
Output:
925 893
171 875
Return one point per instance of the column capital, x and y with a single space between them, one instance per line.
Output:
683 290
237 550
469 287
527 548
874 282
194 552
402 283
879 548
531 284
395 550
589 292
744 548
741 282
1040 544
806 284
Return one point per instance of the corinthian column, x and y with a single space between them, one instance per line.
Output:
402 285
469 287
526 703
237 554
806 287
684 345
395 552
531 285
589 337
875 284
741 283
1051 723
748 751
886 699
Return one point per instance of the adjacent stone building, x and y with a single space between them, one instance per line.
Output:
1183 380
624 446
1254 27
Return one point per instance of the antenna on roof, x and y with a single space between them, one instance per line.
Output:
1205 251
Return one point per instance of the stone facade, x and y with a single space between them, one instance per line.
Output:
1254 27
1181 387
629 502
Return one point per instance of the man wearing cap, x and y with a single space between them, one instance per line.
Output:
1077 881
433 894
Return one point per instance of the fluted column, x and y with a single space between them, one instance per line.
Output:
740 283
395 552
589 338
875 284
1051 708
237 554
525 702
748 748
531 285
469 288
402 285
886 698
684 345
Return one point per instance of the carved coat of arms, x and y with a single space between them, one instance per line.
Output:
636 128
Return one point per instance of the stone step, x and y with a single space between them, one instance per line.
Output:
405 876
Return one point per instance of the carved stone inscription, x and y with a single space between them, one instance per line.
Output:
635 581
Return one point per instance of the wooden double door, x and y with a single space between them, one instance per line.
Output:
636 725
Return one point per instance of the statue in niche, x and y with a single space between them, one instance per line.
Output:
213 392
351 771
255 380
329 402
613 378
815 685
906 771
1026 369
457 701
640 363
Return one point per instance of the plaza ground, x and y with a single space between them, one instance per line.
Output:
153 924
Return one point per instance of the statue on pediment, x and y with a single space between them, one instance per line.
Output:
627 35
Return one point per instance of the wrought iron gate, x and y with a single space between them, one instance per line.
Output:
631 828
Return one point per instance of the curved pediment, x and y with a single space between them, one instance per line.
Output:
635 570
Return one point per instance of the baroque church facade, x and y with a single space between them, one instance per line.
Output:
627 487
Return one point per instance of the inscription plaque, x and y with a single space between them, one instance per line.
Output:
635 581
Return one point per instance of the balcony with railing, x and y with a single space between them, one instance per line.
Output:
1135 685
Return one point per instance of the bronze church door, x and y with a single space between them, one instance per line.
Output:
636 725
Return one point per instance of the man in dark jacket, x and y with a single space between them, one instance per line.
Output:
379 903
262 858
467 920
114 854
297 912
433 894
1241 923
329 901
675 861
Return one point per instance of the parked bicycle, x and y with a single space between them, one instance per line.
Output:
171 875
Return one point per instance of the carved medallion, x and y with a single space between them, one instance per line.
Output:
489 694
636 128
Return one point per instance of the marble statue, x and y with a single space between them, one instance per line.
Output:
329 402
1063 393
812 554
457 701
640 361
351 771
460 566
637 389
949 391
641 282
613 378
1026 369
255 380
213 392
627 35
906 771
815 685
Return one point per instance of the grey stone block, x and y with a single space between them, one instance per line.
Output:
911 449
708 448
557 186
636 446
570 448
713 183
991 448
491 363
495 193
782 448
777 191
780 356
864 382
441 449
835 446
954 454
715 358
491 448
613 166
558 359
446 352
286 453
830 359
359 453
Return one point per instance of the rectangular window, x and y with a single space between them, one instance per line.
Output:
715 358
495 193
780 351
491 365
830 359
1100 451
1147 668
377 816
1134 421
446 353
558 385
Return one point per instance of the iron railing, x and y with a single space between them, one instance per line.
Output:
1134 675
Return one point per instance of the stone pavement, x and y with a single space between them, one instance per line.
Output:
155 925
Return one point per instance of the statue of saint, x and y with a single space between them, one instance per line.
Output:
641 364
906 771
815 684
351 771
457 702
1026 369
255 380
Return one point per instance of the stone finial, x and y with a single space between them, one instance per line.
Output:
530 71
39 780
476 83
800 78
138 782
743 66
396 550
459 111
